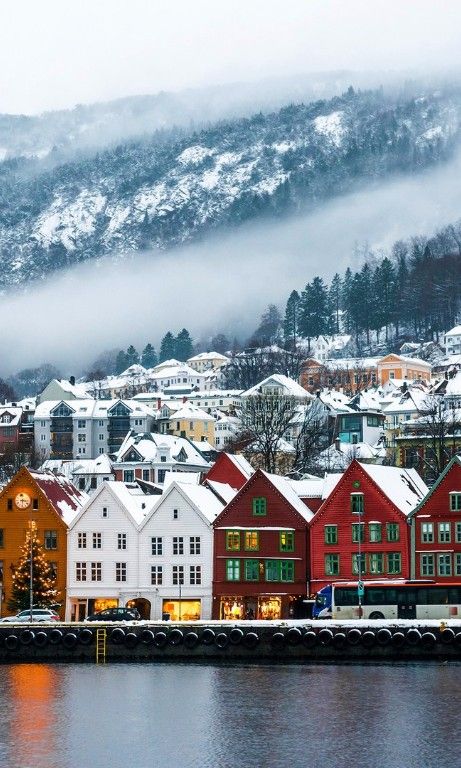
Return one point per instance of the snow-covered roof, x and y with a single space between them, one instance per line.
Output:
204 356
148 444
404 487
223 490
90 408
330 481
242 464
289 386
191 478
190 412
285 488
13 413
130 495
199 496
308 489
101 465
456 331
66 499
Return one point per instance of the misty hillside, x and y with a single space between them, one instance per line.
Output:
170 188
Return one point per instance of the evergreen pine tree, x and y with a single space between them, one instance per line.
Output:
167 347
44 593
291 321
314 317
132 356
335 302
149 356
121 363
184 347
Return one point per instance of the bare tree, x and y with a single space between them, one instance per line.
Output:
439 430
264 421
315 435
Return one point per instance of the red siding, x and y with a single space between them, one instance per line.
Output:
436 509
224 470
336 510
280 515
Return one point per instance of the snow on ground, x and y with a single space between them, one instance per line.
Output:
331 126
65 222
194 155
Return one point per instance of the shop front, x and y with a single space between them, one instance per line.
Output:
80 608
233 607
182 610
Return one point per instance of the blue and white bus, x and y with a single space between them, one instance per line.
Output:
397 599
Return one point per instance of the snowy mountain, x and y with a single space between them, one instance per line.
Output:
172 187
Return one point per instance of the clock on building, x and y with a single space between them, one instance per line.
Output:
22 500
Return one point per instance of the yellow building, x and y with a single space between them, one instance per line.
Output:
397 367
46 502
193 423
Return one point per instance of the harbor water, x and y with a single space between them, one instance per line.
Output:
222 716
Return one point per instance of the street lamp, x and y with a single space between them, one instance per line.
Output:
179 598
31 570
360 590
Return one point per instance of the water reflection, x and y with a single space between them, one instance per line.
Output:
210 716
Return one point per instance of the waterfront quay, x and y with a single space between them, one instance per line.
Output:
270 642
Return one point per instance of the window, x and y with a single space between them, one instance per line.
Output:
194 545
34 503
51 540
331 565
146 474
427 533
394 562
81 451
259 506
101 437
54 570
427 565
376 562
272 570
358 532
287 570
104 512
81 540
81 437
120 571
251 570
195 575
458 564
96 571
358 564
2 541
372 421
444 533
374 532
94 482
331 534
178 545
233 570
43 438
156 575
357 504
100 422
175 514
455 502
392 531
80 571
121 540
97 540
9 504
81 423
458 532
251 541
444 565
178 574
232 541
157 545
287 541
163 458
128 476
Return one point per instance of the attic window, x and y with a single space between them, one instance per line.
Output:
105 512
259 506
357 504
34 503
175 514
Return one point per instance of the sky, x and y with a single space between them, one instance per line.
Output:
57 53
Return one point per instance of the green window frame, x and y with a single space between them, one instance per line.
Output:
233 570
376 562
375 533
251 570
444 531
332 565
358 529
271 570
287 570
251 541
458 532
455 502
394 562
232 541
356 559
331 534
392 531
457 564
427 533
259 506
287 541
357 504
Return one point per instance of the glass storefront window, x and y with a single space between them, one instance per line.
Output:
182 610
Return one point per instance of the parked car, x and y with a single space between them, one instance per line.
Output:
38 614
115 614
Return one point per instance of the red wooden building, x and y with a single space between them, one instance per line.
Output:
361 529
260 561
436 529
232 469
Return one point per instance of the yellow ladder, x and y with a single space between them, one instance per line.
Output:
101 639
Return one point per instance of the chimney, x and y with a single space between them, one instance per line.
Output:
72 380
184 399
159 402
338 444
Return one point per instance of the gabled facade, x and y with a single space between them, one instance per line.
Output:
232 469
149 456
261 552
47 503
436 529
103 551
361 530
175 553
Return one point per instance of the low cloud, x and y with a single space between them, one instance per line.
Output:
220 284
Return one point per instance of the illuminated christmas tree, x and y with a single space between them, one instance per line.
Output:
44 593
